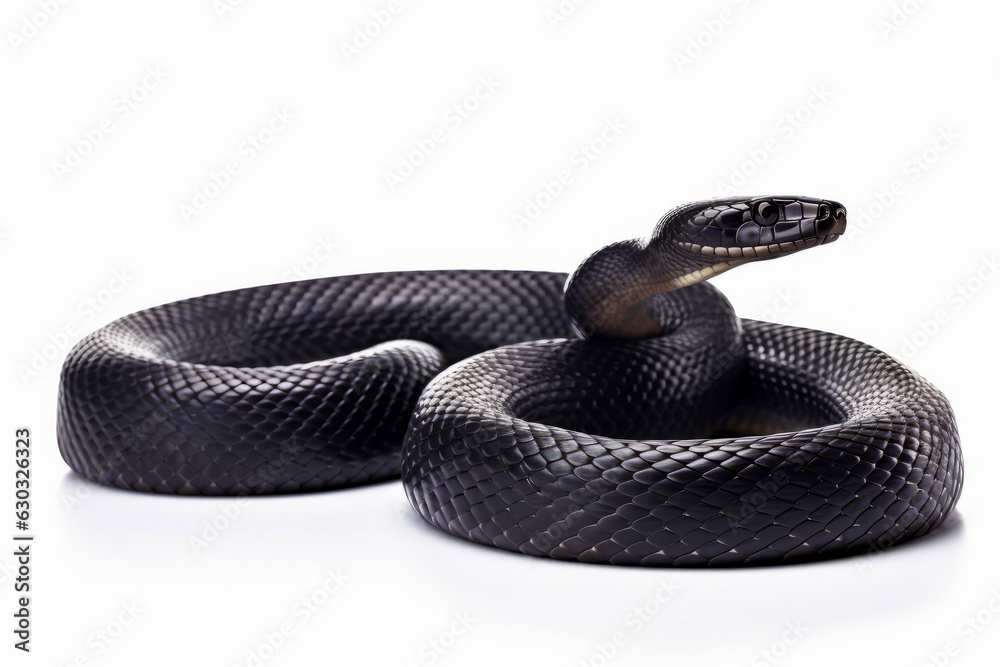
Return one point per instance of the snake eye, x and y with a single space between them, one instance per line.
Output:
765 212
823 213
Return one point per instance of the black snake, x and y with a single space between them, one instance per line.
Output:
529 412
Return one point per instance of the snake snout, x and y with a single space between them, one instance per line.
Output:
831 219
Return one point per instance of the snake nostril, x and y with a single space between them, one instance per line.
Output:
831 218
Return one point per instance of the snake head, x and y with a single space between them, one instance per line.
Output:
610 292
737 230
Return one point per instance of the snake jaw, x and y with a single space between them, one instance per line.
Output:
760 251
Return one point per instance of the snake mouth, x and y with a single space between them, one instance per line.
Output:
759 251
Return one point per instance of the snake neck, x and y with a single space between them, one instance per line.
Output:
633 289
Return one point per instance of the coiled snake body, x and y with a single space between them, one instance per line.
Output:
630 418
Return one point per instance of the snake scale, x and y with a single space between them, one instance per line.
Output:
622 415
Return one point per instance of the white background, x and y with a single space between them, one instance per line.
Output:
848 100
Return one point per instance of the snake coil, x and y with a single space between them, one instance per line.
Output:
528 411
